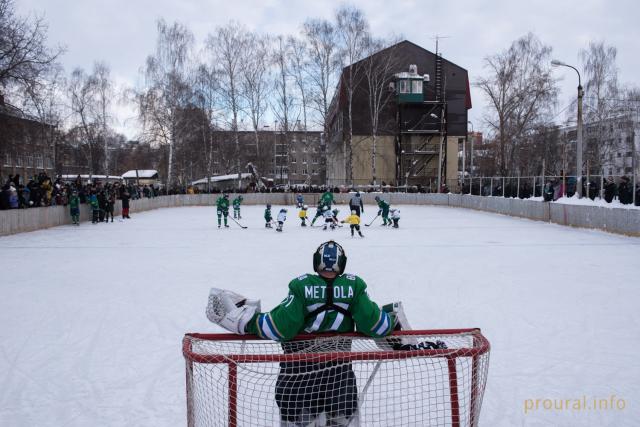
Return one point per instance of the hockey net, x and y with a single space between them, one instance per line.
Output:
346 379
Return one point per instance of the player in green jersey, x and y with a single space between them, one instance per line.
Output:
236 207
222 205
328 300
384 210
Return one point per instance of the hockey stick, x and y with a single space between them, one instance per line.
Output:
240 225
367 225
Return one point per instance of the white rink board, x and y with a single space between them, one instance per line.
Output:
92 317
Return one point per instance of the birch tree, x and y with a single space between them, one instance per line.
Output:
521 92
379 66
352 30
601 100
228 49
166 88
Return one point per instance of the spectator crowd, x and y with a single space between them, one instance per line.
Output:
42 190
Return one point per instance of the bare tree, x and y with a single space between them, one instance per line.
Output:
321 39
298 68
166 91
352 30
255 88
381 61
601 93
24 55
82 90
206 96
103 93
284 102
521 92
228 50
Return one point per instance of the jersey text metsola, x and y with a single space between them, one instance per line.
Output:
318 292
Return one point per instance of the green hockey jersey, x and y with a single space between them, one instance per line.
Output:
222 204
307 293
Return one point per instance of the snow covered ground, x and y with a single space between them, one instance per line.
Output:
92 317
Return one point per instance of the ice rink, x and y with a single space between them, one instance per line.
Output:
92 317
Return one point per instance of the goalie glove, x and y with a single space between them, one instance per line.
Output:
230 310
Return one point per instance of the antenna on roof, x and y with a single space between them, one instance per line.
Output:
437 39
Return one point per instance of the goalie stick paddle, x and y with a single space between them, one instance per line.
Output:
240 225
367 225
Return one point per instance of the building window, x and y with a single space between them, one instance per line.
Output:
293 159
304 149
39 161
7 159
416 86
305 171
314 161
29 161
404 86
293 149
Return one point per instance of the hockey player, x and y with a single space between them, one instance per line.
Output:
236 207
299 201
74 207
355 204
354 223
319 210
329 218
327 198
303 215
383 210
328 300
267 216
282 217
222 205
395 217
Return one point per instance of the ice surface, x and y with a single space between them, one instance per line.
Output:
92 317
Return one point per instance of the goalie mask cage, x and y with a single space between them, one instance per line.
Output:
329 379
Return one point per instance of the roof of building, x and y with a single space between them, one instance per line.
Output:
141 173
219 178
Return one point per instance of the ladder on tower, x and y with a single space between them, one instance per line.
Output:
438 77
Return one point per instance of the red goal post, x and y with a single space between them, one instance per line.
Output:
235 380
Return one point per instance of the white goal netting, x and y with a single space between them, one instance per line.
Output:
425 378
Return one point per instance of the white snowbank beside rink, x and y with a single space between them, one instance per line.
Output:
585 201
92 317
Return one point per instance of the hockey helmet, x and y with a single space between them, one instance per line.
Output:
305 207
357 194
325 208
353 212
377 198
329 257
268 205
225 195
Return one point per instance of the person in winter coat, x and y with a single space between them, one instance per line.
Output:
125 196
102 204
74 207
95 207
110 204
355 204
625 192
13 197
609 190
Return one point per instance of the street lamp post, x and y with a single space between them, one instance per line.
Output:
471 160
557 63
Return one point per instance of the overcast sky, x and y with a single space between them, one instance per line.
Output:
122 32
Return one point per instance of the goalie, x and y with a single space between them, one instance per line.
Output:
311 393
